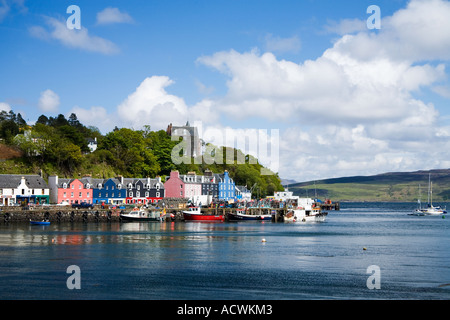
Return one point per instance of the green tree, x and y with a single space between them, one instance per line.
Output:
8 130
133 151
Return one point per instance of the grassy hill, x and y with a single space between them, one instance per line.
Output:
394 186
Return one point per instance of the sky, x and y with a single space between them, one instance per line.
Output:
309 87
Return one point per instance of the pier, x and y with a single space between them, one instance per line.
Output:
55 214
107 214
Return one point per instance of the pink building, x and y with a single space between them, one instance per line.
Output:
70 190
174 186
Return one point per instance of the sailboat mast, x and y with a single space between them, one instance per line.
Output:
431 194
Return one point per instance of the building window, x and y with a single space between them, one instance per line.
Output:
64 195
71 194
138 194
157 194
131 194
80 195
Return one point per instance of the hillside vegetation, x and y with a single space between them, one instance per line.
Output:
395 186
59 146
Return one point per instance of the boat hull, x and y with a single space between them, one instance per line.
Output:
249 217
129 218
301 216
40 223
201 217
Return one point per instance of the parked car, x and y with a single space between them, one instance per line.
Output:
82 205
63 203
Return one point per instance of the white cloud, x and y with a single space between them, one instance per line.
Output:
6 5
353 110
113 15
151 104
443 91
333 87
5 107
96 116
346 26
281 45
48 101
77 39
421 31
365 85
4 9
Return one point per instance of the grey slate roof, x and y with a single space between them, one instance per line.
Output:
12 181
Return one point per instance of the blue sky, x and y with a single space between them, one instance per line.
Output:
307 68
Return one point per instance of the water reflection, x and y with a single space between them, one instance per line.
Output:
22 234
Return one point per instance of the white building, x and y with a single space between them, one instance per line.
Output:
92 144
23 189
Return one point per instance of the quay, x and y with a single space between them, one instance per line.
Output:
17 214
106 214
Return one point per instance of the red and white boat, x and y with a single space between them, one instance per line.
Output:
195 214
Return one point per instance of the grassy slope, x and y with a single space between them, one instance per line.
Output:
400 186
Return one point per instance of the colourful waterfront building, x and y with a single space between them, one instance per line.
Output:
227 188
27 189
109 191
144 191
174 186
70 191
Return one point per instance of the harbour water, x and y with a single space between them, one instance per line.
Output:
230 260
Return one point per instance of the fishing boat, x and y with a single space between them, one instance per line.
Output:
40 223
429 209
140 214
195 214
304 210
302 214
241 215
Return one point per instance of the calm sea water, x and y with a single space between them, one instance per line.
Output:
197 260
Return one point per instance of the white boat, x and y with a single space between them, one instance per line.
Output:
140 214
430 209
304 210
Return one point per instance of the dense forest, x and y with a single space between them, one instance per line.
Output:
56 145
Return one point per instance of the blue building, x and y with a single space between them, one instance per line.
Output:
109 191
226 188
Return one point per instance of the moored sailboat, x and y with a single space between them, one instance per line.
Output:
429 209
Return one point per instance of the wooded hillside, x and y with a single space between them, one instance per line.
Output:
56 145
